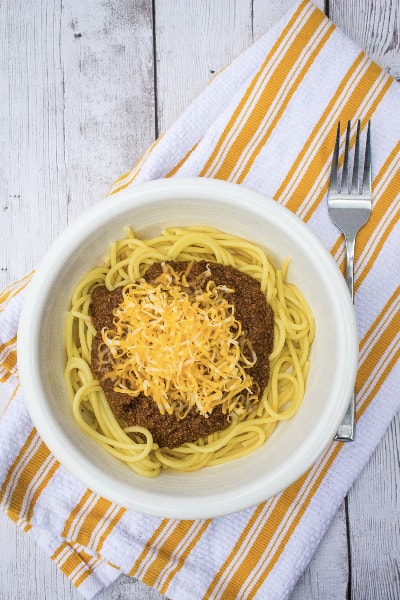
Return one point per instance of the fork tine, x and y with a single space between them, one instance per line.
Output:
367 177
345 175
333 181
355 180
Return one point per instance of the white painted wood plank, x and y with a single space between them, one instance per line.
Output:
375 26
374 515
327 574
108 80
194 41
373 502
26 573
31 134
268 12
77 111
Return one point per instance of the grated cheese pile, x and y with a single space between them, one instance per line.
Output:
181 346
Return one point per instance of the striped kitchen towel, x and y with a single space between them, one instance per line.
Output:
268 121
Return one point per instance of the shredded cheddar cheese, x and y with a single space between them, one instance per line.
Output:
181 346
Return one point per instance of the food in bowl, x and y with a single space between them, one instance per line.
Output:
185 350
296 443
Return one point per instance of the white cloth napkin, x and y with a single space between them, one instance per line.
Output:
268 121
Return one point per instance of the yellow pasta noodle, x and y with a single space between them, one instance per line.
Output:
294 328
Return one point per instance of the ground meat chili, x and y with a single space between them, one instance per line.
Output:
256 318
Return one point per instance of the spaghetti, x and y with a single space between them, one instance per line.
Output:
127 262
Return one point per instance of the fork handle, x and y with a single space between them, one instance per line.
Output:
345 432
350 245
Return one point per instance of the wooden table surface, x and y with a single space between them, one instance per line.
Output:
86 87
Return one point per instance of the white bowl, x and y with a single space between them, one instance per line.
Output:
294 446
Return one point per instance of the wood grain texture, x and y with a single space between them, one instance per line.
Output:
374 517
85 88
108 100
375 26
268 12
32 139
327 573
78 111
26 573
193 43
373 501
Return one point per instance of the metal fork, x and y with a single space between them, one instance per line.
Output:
349 207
